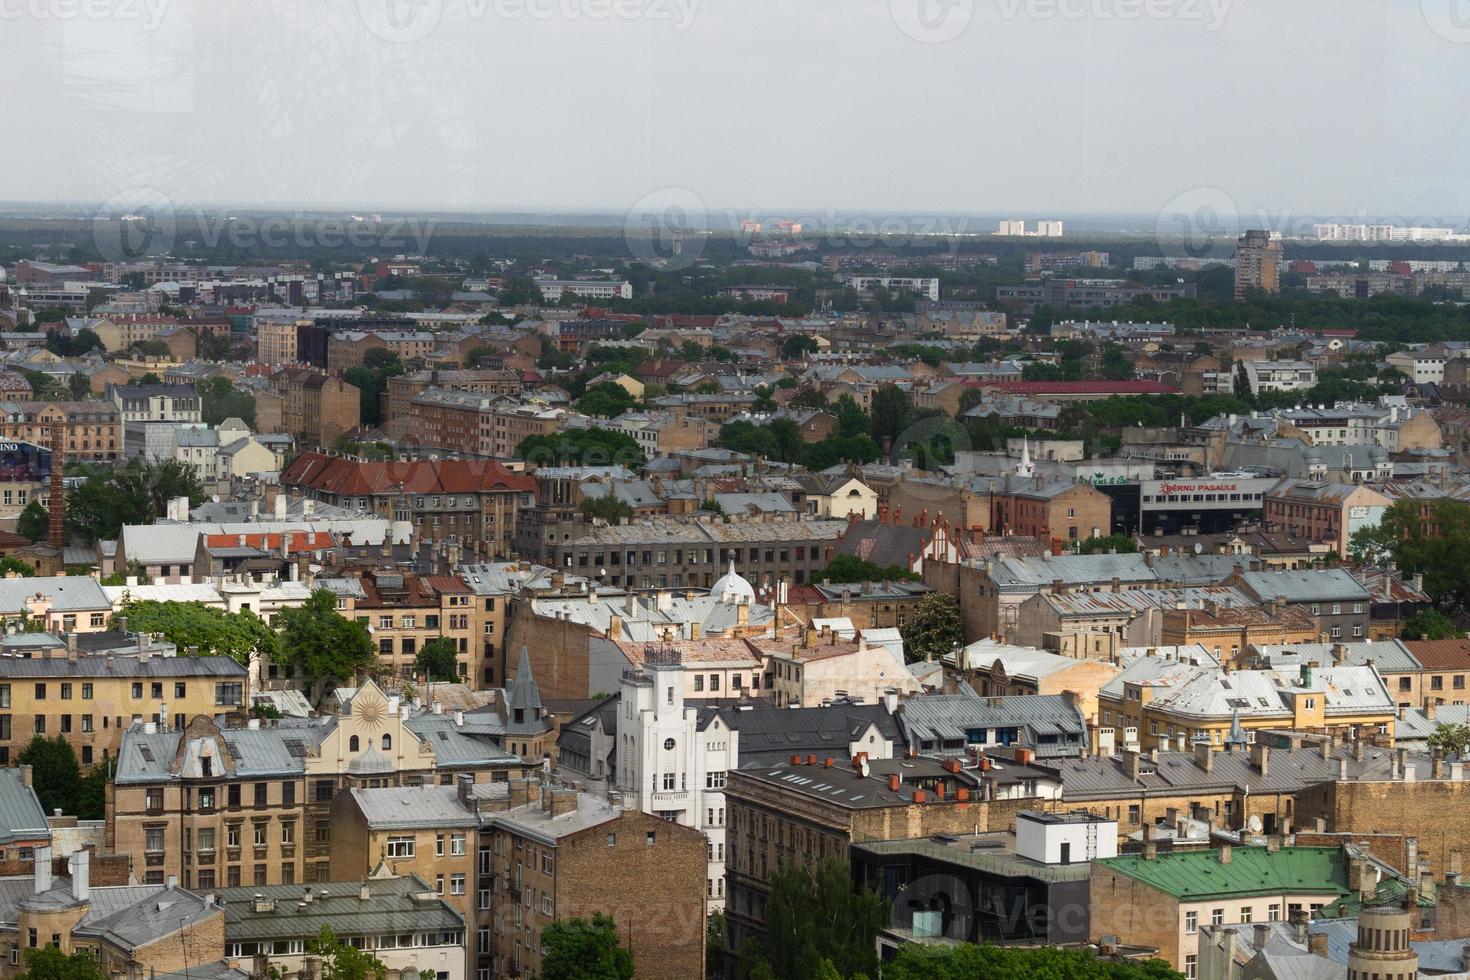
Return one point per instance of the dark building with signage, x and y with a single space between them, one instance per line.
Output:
1207 505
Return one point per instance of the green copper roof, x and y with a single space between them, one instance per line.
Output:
1198 875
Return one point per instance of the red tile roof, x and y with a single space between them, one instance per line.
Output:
298 541
342 475
1441 654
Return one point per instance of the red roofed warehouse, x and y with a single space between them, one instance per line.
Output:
1079 391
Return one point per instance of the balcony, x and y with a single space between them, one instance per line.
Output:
675 798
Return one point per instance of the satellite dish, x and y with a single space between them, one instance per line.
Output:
863 767
1198 547
1254 823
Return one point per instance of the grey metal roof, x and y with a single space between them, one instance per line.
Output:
534 822
1012 574
145 758
1305 585
453 745
21 815
769 734
948 717
122 667
1389 656
140 922
391 907
413 807
67 593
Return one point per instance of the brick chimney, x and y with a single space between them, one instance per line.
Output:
57 514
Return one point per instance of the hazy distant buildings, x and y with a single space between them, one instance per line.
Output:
552 290
1382 233
1257 263
926 287
1013 228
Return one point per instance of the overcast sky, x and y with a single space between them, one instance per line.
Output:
1317 107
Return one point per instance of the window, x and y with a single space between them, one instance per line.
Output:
86 691
387 743
1191 966
353 744
1191 923
714 780
1273 913
229 694
232 835
260 834
1217 917
66 692
456 844
649 838
288 794
401 847
153 840
260 794
456 884
1246 914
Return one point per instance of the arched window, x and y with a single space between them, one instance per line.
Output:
352 744
387 742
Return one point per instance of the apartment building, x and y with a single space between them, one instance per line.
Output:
1162 702
213 808
91 700
405 612
673 757
1324 512
687 554
157 403
1257 263
928 288
93 430
490 383
554 859
472 502
1051 511
310 405
384 915
553 289
122 929
347 348
1265 376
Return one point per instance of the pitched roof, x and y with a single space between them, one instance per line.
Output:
342 475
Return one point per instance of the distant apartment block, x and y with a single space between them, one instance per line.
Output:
1015 228
926 287
552 289
1089 294
1257 263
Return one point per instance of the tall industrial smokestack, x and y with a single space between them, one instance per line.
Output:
58 492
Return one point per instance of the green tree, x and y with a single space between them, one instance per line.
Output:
576 949
1451 739
921 961
343 961
318 644
10 564
819 915
214 632
608 508
1123 544
582 447
1430 624
136 493
34 522
92 791
79 386
606 400
1434 546
49 963
55 773
935 629
851 419
1242 382
220 400
797 346
438 660
892 412
850 568
1371 546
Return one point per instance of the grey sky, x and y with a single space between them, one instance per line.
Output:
1321 107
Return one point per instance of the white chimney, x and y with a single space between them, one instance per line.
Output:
43 869
81 886
393 704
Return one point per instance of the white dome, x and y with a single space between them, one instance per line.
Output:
732 588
